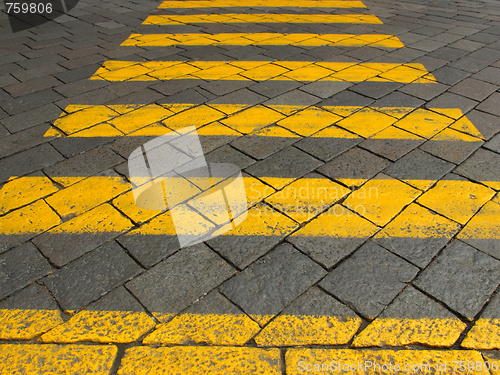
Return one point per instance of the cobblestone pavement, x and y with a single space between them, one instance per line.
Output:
369 138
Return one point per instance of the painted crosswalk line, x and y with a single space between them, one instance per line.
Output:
262 3
260 18
303 71
264 39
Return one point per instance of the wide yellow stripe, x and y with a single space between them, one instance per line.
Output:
247 39
239 119
261 71
262 3
27 324
485 335
260 18
56 359
363 362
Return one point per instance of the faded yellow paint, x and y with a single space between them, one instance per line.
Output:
493 361
252 119
485 335
27 324
425 123
418 222
126 204
79 118
262 3
140 117
119 327
309 121
193 116
260 18
104 130
56 359
381 199
212 329
484 225
291 330
449 134
260 71
246 39
338 222
455 199
439 332
464 125
204 360
306 198
32 219
392 132
366 122
86 194
425 361
20 191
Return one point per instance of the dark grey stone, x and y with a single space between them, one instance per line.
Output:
214 303
20 141
369 280
88 278
118 299
274 88
474 89
354 164
21 266
242 96
272 282
494 144
227 154
461 277
425 91
31 86
375 90
492 310
327 148
453 151
178 281
398 99
487 124
489 74
482 166
449 75
223 87
347 98
392 149
325 89
491 105
448 53
31 118
294 97
260 147
34 297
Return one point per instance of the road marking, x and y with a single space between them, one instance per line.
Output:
261 71
260 18
262 3
485 335
56 359
263 39
318 361
27 324
196 360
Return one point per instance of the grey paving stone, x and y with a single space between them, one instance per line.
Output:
271 283
466 45
71 146
326 148
31 86
202 52
20 267
214 303
287 163
178 281
242 96
470 64
486 123
118 299
227 154
86 164
450 100
186 96
325 89
34 297
425 91
222 87
398 99
461 277
294 97
28 161
448 53
482 166
354 164
260 147
80 87
427 45
369 280
392 149
485 54
492 309
494 144
418 165
375 90
347 98
12 143
449 75
406 54
174 86
489 74
430 63
88 278
491 105
474 89
453 151
272 89
32 117
281 52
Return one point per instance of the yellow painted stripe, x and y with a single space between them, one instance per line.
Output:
262 3
119 327
319 361
196 360
247 39
56 359
437 332
260 18
261 71
485 224
26 324
485 335
156 120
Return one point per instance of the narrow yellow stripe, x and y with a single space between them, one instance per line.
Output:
196 360
247 39
56 359
362 362
260 18
262 3
261 71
